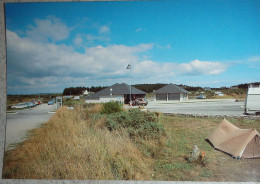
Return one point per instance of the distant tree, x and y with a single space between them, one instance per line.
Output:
74 91
95 89
242 86
191 88
247 84
148 88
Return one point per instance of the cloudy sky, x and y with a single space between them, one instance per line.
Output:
51 46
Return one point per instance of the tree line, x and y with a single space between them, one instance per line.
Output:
80 90
148 88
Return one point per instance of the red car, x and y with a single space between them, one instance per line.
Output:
140 101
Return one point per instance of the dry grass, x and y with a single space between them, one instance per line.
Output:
97 108
231 96
68 147
74 145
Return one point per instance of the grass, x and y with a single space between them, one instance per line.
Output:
78 144
73 102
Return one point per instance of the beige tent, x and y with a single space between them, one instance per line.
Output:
237 142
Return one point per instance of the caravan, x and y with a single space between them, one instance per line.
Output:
252 104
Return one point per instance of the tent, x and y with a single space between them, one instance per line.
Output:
238 142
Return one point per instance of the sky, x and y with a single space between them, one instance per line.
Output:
207 43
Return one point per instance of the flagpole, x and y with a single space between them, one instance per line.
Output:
129 67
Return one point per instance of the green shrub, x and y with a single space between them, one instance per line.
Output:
137 123
111 107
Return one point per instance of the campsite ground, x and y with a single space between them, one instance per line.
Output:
187 131
164 161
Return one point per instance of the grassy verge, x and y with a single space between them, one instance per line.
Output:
127 145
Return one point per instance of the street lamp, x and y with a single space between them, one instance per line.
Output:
128 68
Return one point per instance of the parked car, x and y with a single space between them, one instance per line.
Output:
19 106
201 97
29 104
50 102
140 101
35 102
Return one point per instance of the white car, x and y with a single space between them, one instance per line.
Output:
19 106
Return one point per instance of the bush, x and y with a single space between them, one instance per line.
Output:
111 107
137 123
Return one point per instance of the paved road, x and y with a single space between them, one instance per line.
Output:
200 107
18 124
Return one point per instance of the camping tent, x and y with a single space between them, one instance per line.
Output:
235 141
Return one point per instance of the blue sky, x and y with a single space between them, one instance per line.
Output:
51 46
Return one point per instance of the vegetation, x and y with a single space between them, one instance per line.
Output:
72 102
112 107
149 88
80 90
74 91
137 124
128 145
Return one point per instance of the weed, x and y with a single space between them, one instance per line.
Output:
111 107
206 173
137 123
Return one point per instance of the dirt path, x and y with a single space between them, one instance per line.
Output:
18 124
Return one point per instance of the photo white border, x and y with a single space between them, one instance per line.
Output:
3 99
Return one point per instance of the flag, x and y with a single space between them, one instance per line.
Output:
128 66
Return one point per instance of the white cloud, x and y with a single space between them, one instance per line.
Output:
104 29
138 30
91 38
168 46
197 67
78 40
254 59
45 65
50 28
35 60
254 62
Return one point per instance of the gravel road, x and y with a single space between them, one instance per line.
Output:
199 107
19 123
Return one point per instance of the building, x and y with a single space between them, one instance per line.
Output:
219 93
207 89
116 92
171 92
234 87
85 92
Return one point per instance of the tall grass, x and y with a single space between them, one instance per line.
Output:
70 147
